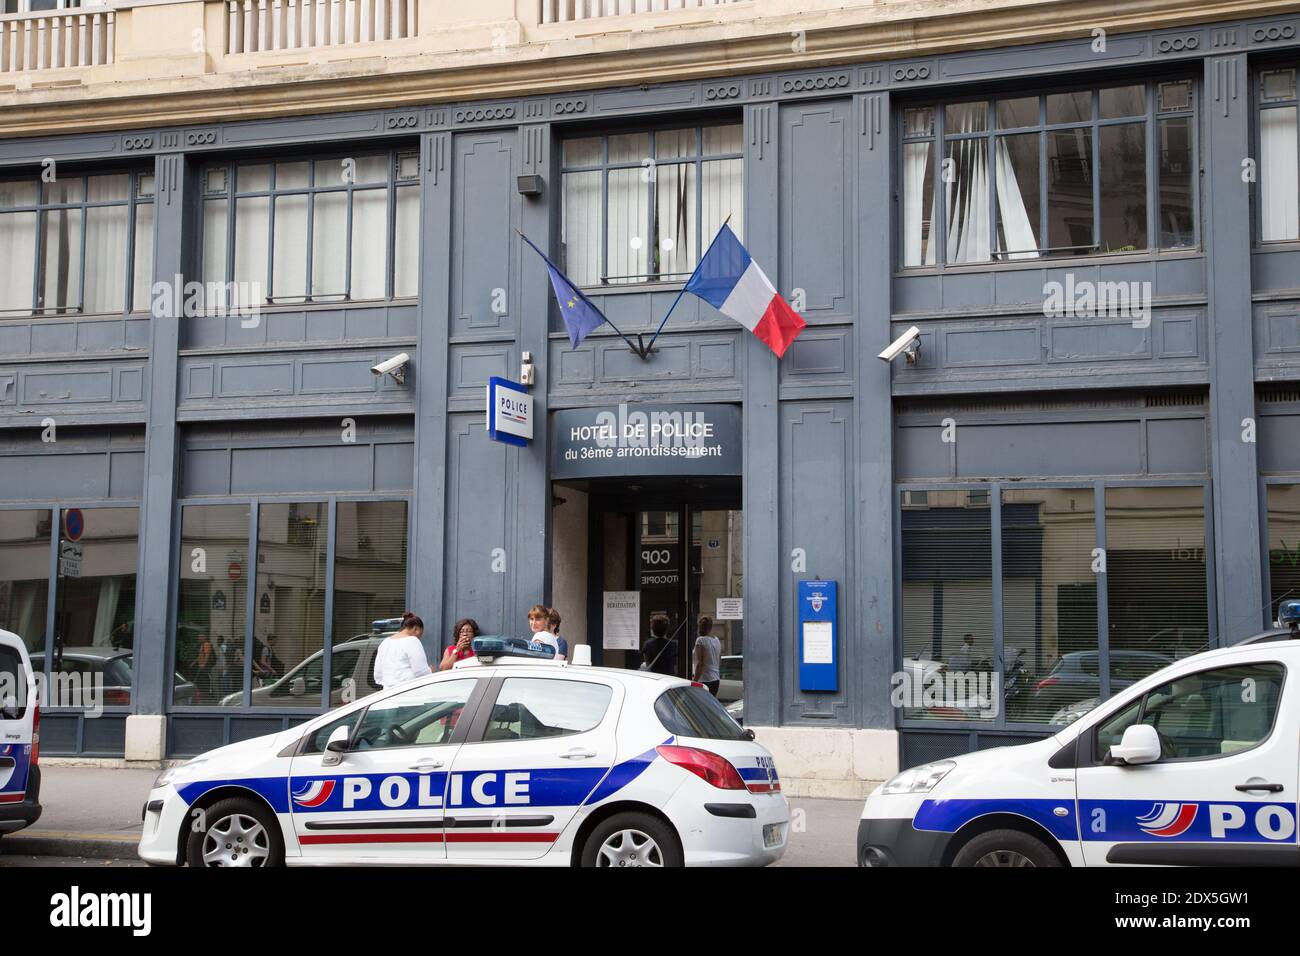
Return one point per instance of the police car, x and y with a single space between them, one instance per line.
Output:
507 758
20 737
1195 765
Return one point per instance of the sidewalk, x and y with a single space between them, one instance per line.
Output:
89 812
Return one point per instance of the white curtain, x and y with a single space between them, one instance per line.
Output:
106 246
918 245
1017 229
329 240
1279 202
967 198
17 261
581 227
369 243
110 589
25 624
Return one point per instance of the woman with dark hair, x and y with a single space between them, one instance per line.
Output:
401 656
462 635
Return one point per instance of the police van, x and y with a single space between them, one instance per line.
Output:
507 758
1195 765
20 737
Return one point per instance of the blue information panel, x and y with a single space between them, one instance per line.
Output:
818 665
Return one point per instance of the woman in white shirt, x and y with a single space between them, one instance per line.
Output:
401 656
708 656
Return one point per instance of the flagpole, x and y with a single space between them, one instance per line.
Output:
626 340
683 291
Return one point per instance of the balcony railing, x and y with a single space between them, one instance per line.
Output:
568 11
256 26
56 39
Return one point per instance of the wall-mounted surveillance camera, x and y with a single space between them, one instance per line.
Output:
909 344
395 366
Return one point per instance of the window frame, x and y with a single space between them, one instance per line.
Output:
232 194
1098 486
604 167
253 503
484 714
939 138
134 200
56 509
1088 737
1258 106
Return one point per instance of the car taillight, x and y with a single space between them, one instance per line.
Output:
36 734
709 767
117 695
1046 682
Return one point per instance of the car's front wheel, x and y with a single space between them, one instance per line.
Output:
1006 848
236 832
632 839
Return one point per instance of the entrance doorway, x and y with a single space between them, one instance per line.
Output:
679 550
675 547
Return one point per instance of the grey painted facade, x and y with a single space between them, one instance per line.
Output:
172 408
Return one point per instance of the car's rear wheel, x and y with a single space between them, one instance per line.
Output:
236 832
632 839
1009 848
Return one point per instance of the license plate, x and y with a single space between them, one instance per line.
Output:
773 834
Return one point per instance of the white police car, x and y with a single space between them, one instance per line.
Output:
506 758
1195 765
20 737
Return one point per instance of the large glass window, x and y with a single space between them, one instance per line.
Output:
1085 172
342 229
80 244
1279 157
284 571
1049 601
947 606
212 610
25 573
1046 664
642 206
1283 543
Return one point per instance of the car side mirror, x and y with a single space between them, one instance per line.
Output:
748 734
337 746
1140 744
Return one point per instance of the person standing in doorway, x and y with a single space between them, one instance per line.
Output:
659 654
539 618
553 625
708 656
401 656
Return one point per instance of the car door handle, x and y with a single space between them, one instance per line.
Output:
577 753
424 766
1267 787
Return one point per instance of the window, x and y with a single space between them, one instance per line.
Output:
77 245
254 611
13 685
1279 157
424 715
641 206
1206 714
1046 664
1084 172
315 741
37 6
344 229
1283 543
694 712
24 573
530 709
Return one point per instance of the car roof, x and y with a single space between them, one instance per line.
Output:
90 653
1264 637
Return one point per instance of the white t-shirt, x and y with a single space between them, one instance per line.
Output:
547 638
400 659
711 652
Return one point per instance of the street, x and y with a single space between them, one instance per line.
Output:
92 819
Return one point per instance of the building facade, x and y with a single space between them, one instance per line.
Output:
217 217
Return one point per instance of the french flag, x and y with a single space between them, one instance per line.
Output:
730 280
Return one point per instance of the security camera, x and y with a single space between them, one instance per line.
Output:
909 344
395 366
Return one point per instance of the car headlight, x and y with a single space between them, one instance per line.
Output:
920 779
172 774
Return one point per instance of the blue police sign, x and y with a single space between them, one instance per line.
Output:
818 670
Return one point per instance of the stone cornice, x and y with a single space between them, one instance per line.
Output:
543 68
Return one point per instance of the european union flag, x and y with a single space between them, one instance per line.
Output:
580 314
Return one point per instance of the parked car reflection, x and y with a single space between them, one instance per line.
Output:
90 665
